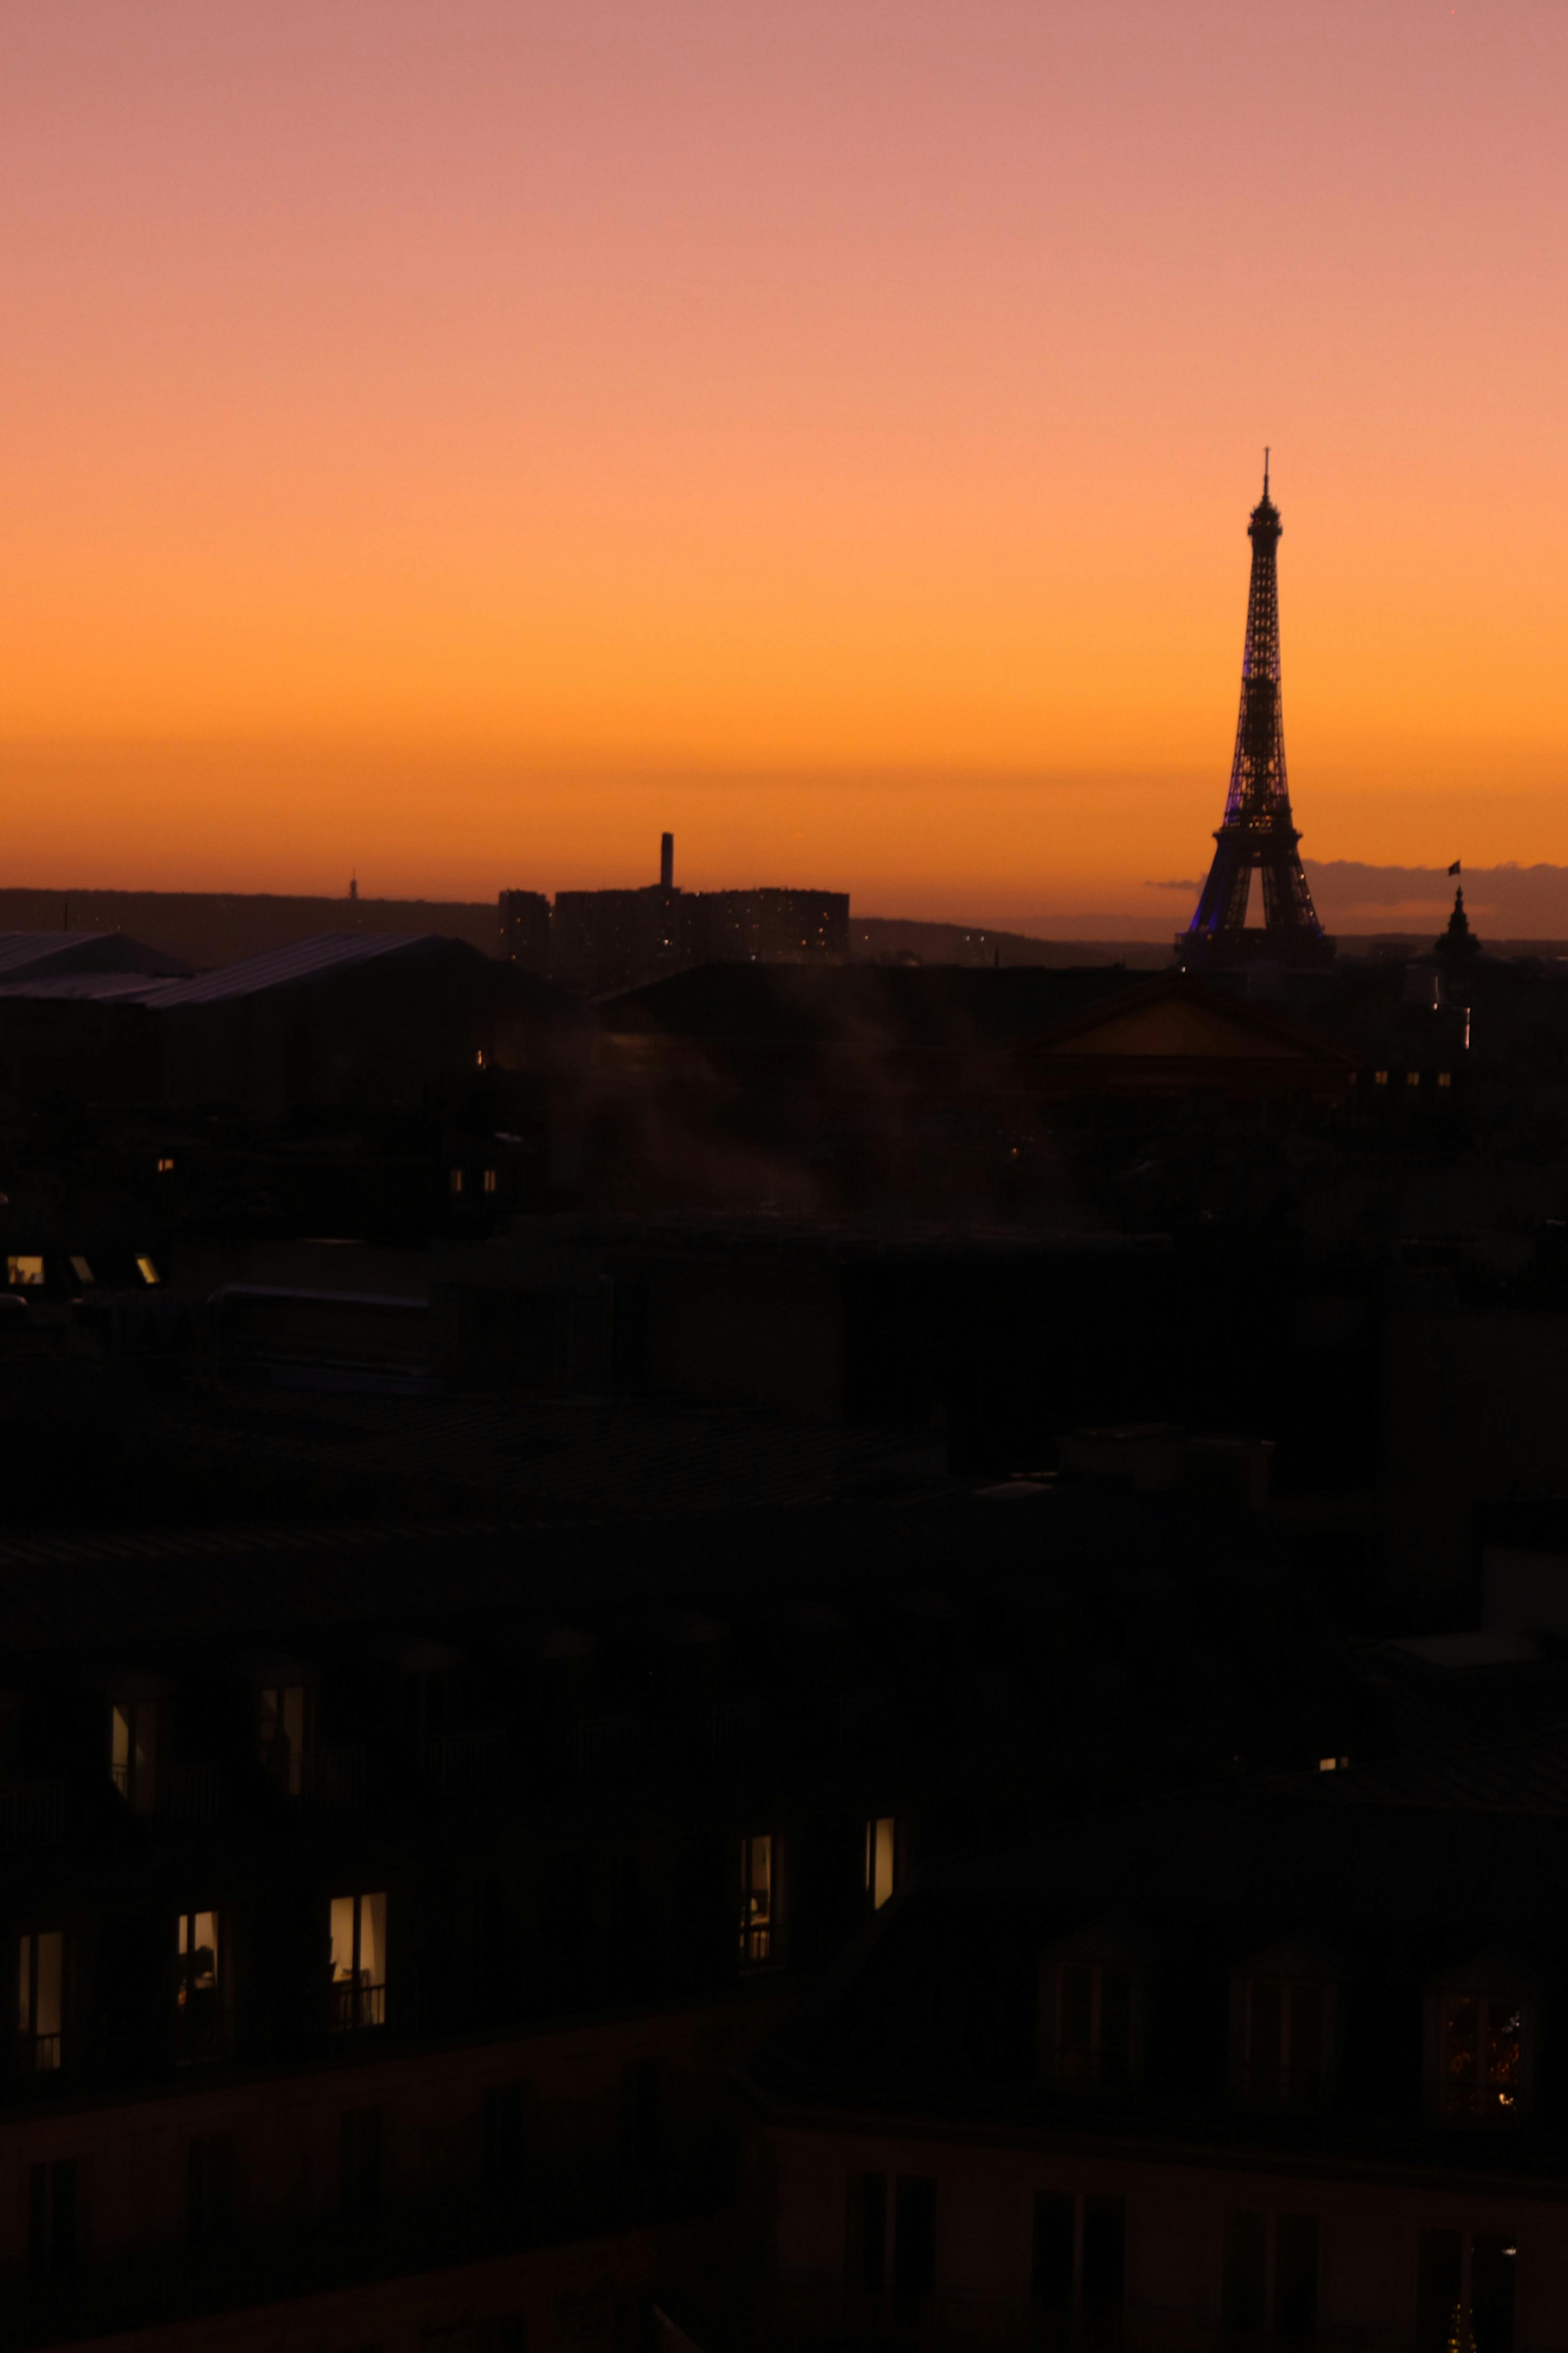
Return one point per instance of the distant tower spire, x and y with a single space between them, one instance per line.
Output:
1257 833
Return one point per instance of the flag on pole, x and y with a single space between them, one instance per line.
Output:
1455 868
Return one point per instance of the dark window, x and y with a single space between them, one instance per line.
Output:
1295 2276
914 2235
1283 2053
1246 2259
1094 2025
1104 2268
52 2217
1493 2267
209 2188
1439 2316
642 2113
361 2163
505 2127
866 2233
1053 2253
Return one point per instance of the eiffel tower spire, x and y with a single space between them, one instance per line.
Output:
1258 831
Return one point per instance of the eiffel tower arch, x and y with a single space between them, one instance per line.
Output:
1257 835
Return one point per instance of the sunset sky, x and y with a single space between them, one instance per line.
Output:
456 439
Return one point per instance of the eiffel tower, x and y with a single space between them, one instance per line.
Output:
1257 832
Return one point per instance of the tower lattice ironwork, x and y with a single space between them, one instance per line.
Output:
1257 834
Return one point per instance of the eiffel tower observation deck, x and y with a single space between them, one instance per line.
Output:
1257 836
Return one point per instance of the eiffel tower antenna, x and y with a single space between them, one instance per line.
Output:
1257 833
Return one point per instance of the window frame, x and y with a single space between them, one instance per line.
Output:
349 1998
137 1782
1482 2104
760 1933
29 2040
1291 1979
195 2048
1086 2071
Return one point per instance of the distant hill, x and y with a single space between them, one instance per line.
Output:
885 938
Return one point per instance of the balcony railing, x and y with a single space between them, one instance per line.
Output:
336 1776
40 2054
190 1792
1281 2087
355 2006
464 1764
601 1748
32 1813
1091 2070
728 1730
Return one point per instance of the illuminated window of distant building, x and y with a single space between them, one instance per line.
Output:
40 2002
1380 1078
82 1271
882 1859
1092 2043
1283 2040
480 1058
282 1735
759 1900
1444 1079
1466 2292
25 1274
165 1167
146 1269
1332 1764
1480 2054
198 2019
490 1180
358 1961
455 1180
134 1752
1412 1078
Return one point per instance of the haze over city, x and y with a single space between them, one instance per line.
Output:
459 444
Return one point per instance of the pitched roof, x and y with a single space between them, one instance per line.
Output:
1177 1018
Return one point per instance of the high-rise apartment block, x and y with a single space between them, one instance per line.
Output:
599 940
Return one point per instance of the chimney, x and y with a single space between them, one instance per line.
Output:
667 862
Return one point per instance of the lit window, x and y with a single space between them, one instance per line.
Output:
1332 1764
1282 2041
146 1269
283 1736
133 1755
1412 1078
455 1180
881 1848
1093 2025
759 1904
490 1180
1480 2070
480 1058
198 2023
358 1961
1444 1079
24 1273
82 1271
40 1988
165 1167
1380 1078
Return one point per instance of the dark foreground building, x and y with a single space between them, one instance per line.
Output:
1248 2067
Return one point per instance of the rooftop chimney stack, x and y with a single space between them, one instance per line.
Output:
667 862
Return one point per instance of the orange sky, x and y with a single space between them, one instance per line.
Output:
458 438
